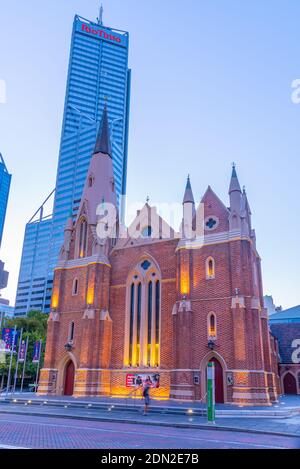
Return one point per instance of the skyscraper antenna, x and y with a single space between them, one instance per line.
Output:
100 19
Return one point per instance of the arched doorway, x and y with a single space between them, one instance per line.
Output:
219 383
289 384
69 379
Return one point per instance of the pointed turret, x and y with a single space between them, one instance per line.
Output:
64 252
188 211
188 195
234 182
246 202
235 195
245 214
103 143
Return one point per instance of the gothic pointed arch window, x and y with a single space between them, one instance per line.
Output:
143 316
83 238
71 332
75 287
211 326
210 268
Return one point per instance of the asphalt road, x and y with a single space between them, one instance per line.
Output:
21 431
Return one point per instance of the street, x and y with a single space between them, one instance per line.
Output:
36 432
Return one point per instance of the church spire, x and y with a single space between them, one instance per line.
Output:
188 195
234 182
246 214
235 195
103 144
188 211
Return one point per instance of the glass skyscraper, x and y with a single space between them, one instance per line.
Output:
32 284
5 179
98 74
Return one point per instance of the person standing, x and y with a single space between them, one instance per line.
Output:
146 394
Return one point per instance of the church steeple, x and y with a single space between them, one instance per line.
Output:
188 195
235 195
103 143
188 211
234 182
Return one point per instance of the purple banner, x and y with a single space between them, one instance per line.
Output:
8 338
22 351
36 352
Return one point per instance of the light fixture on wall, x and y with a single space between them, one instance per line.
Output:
211 344
68 347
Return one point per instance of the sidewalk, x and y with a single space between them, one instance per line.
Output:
280 419
272 426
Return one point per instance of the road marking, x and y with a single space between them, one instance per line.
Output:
102 430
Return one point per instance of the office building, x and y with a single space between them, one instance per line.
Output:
5 179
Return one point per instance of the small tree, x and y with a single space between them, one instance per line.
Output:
34 327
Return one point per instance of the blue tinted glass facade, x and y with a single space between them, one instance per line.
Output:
5 179
32 284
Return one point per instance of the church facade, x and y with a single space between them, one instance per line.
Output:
147 301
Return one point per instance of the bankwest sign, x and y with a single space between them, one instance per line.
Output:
100 33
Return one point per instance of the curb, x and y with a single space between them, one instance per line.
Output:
153 423
200 412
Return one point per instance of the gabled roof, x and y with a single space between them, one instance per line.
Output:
210 193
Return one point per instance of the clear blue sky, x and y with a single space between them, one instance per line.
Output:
211 85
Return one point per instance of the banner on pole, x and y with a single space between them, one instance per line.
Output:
8 338
22 351
36 351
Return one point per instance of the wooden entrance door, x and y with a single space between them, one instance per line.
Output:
219 385
69 379
289 384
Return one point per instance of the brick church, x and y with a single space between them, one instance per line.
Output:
146 300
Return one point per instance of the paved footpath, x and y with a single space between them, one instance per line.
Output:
110 413
258 428
37 432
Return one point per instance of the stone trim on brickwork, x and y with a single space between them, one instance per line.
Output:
238 302
123 285
61 371
84 262
203 365
294 369
212 239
